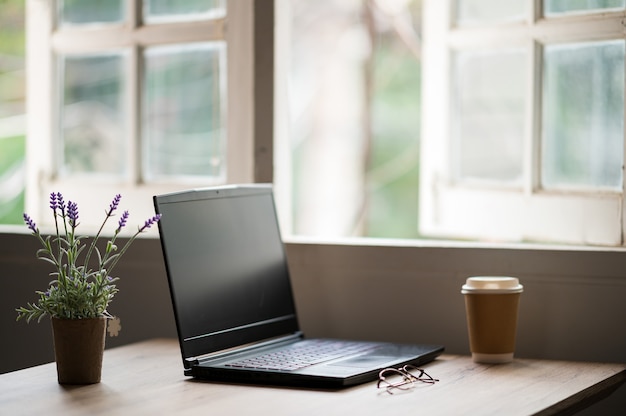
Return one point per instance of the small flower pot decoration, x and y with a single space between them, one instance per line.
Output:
77 298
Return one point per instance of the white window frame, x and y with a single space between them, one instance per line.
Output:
248 142
454 210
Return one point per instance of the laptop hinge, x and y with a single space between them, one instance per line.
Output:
243 348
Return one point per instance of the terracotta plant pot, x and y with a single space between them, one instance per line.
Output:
78 349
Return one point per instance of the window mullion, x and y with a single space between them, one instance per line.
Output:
240 81
133 90
133 102
535 11
133 13
579 28
532 165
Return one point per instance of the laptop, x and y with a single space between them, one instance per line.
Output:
233 303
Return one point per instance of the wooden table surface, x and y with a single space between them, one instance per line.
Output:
147 379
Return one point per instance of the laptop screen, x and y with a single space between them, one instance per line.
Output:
226 267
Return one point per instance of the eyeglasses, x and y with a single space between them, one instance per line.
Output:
409 375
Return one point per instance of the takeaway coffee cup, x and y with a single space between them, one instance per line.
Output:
491 305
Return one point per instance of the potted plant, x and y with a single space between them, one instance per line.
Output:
77 298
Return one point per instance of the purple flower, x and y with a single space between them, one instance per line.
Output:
53 202
114 204
149 222
122 221
31 224
60 203
72 213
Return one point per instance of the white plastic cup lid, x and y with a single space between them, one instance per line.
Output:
492 284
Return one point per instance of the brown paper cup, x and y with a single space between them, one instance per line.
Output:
491 305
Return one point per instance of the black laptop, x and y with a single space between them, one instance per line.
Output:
233 302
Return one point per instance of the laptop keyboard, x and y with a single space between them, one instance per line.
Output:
303 354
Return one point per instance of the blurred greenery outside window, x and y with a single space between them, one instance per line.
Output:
354 85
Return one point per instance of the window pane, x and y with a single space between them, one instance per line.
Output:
552 7
76 12
583 115
172 10
471 12
183 115
92 114
489 104
329 47
394 89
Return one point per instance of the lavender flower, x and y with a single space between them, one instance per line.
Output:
72 213
122 221
60 203
149 222
83 287
31 224
114 204
53 202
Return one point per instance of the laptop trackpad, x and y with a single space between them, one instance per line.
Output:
366 361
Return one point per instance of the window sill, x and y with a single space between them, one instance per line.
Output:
442 244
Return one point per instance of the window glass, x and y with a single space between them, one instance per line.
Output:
183 116
583 115
489 115
394 92
172 10
565 6
92 114
471 12
77 12
354 111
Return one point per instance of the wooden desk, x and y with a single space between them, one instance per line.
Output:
146 379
